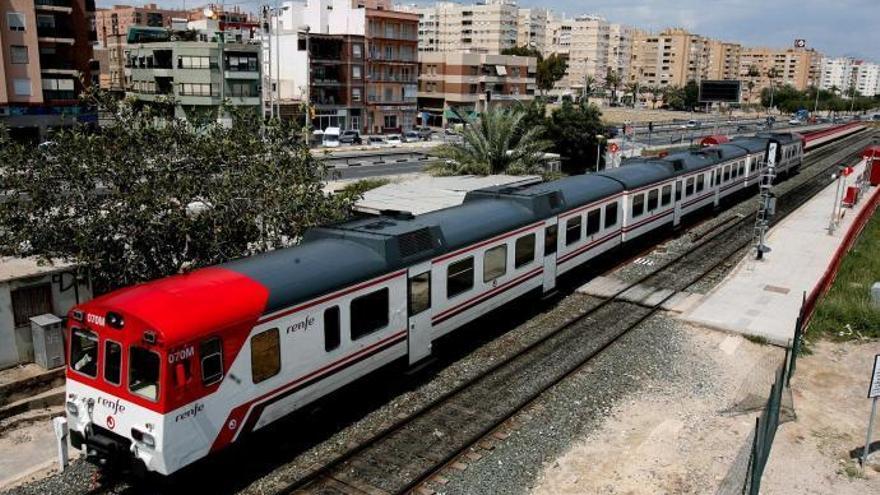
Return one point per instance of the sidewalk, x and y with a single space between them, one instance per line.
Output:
763 298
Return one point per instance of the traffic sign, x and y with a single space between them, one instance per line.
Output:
613 148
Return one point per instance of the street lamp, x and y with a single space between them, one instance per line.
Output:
599 139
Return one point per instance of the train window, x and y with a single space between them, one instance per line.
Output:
677 191
726 176
84 352
419 293
742 168
689 187
369 313
332 328
459 277
652 199
265 355
143 372
494 263
211 354
701 182
572 230
666 195
112 362
524 253
550 239
610 215
638 206
594 221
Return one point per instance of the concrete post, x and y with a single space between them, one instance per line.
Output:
60 426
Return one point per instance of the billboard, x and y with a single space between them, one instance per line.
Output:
720 91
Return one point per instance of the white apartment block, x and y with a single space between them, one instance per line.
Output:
558 35
532 28
837 73
489 27
589 52
867 78
620 46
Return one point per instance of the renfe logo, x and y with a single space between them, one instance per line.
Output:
95 320
301 325
190 413
115 406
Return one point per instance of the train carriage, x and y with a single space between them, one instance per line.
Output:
167 372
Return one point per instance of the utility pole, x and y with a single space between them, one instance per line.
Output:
767 201
277 91
816 105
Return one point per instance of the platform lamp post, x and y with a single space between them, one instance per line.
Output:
832 221
599 139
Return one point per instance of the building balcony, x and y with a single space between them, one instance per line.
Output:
55 34
242 74
64 6
326 82
56 65
243 100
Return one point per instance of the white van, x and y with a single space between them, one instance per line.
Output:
331 137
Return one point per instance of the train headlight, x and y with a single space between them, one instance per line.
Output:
72 409
144 438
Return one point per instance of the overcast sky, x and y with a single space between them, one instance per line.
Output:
834 27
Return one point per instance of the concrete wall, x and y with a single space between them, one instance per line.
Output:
16 345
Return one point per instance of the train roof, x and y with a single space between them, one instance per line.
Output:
636 174
782 137
751 143
577 190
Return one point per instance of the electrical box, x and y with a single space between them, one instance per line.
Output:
47 331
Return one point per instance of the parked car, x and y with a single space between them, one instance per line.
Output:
350 136
393 139
692 124
795 121
411 137
425 133
376 140
612 132
331 137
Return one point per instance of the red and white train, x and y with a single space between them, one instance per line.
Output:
167 372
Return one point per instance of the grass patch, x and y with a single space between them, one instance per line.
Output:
846 312
756 339
360 187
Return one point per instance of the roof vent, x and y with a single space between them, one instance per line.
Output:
415 242
678 164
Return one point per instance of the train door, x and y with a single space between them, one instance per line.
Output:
716 178
418 310
551 242
676 217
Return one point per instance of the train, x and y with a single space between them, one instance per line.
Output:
168 372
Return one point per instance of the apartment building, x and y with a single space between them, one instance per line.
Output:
588 52
191 67
724 60
796 67
559 35
355 61
488 27
620 44
867 78
46 45
456 86
837 73
117 19
531 28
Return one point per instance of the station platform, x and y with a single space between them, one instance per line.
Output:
764 298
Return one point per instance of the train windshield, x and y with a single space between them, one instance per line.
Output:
84 352
143 373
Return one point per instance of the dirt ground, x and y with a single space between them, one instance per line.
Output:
684 438
679 438
812 454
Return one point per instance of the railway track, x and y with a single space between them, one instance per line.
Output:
402 457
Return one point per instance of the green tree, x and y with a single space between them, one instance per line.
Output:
573 128
496 143
691 95
550 70
146 197
674 97
632 89
589 86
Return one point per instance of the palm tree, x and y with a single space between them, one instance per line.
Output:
589 83
496 143
657 94
633 89
772 74
752 74
612 82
